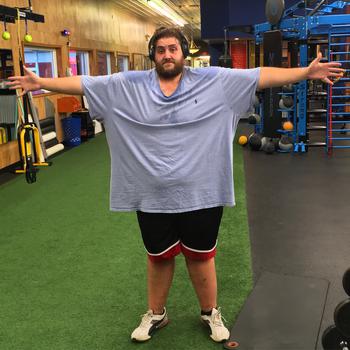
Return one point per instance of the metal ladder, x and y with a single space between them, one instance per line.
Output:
338 104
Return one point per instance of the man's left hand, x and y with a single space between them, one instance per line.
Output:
324 71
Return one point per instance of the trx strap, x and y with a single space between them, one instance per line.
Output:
28 134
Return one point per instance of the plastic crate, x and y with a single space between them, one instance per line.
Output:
71 128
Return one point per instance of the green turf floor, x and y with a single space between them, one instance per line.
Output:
72 274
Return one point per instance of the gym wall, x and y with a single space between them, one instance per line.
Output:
95 25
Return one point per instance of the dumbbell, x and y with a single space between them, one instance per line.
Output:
346 282
337 336
332 339
342 317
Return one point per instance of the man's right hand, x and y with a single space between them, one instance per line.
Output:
28 82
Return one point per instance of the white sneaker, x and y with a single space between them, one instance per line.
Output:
149 324
218 331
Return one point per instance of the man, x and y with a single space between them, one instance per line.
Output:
170 133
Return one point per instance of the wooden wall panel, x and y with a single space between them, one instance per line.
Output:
8 154
95 25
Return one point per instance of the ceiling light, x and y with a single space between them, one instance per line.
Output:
164 10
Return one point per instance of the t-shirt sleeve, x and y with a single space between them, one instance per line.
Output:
97 92
239 87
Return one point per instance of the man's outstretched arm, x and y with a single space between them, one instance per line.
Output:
271 77
31 82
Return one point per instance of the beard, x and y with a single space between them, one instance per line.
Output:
169 73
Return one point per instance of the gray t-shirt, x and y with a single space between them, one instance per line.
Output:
171 154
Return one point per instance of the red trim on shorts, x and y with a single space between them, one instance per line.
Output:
198 255
169 254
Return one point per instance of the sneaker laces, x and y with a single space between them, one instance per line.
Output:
146 319
217 318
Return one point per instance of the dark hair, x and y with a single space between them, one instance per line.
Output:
168 32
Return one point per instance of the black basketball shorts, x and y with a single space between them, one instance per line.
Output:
193 233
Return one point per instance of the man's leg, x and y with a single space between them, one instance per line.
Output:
203 277
199 231
159 278
162 245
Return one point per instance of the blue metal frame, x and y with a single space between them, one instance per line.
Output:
301 27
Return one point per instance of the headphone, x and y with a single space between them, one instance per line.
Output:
183 43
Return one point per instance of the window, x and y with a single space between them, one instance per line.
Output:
41 61
122 62
103 63
79 62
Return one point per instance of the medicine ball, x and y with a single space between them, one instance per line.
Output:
286 143
254 141
243 140
269 148
281 104
276 141
288 101
287 126
264 141
254 118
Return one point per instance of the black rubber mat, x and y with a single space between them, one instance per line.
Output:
282 313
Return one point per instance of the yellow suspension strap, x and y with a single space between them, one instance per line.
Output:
3 138
28 134
29 146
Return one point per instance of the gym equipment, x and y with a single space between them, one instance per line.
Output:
274 10
314 26
269 148
264 141
346 281
285 143
272 118
342 317
287 101
6 35
243 140
54 149
287 126
281 104
255 142
332 339
225 60
31 147
3 138
254 118
28 38
275 141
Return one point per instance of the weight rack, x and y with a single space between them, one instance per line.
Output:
302 22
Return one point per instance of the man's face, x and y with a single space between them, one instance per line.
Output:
168 58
